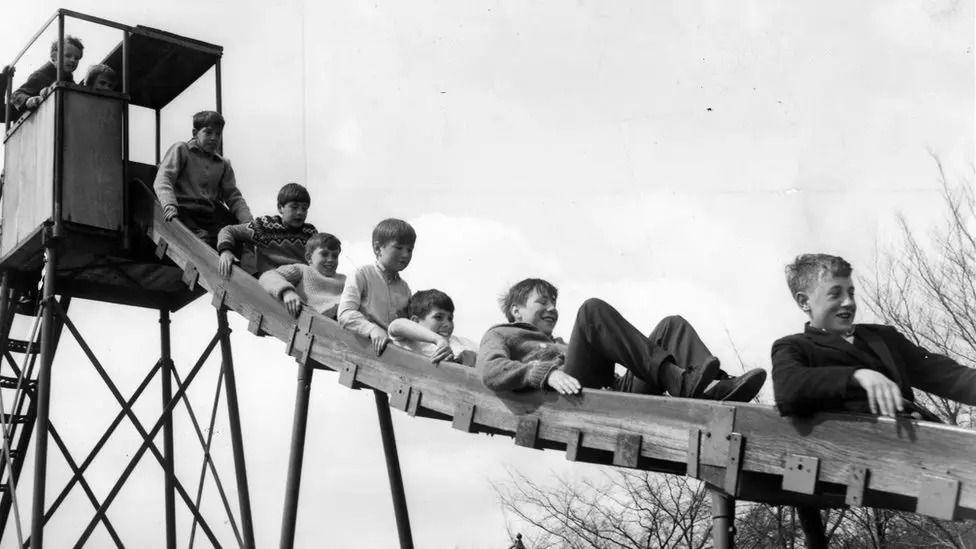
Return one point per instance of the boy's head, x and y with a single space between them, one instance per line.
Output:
73 50
322 253
293 201
532 301
101 78
208 128
821 286
434 310
393 241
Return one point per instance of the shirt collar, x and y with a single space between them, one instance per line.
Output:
812 330
192 144
389 276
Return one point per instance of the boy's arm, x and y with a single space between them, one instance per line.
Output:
798 387
349 315
232 195
500 373
36 82
231 235
935 373
167 174
404 328
281 284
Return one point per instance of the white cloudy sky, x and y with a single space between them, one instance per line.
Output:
667 156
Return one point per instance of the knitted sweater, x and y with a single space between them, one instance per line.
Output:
194 180
318 291
279 244
518 356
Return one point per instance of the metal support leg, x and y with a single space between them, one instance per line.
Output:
813 527
723 519
43 399
165 371
393 470
234 417
295 457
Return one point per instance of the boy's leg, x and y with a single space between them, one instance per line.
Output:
677 336
602 337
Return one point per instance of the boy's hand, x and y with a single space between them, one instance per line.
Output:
379 340
170 211
563 383
32 102
292 301
226 261
884 395
443 350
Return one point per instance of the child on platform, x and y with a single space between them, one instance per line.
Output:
197 184
280 238
101 78
429 330
523 354
837 365
37 86
315 283
375 295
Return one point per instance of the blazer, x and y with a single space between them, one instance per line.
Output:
813 371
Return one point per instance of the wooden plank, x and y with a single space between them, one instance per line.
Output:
93 188
715 437
254 324
161 248
28 187
694 441
219 297
573 444
734 465
627 452
463 417
347 375
527 432
857 485
401 397
413 405
191 276
938 496
800 473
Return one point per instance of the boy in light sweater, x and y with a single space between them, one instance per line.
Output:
316 284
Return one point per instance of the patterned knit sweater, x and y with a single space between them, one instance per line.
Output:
278 244
318 291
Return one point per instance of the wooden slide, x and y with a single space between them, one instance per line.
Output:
749 451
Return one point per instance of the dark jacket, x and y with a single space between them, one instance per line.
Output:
813 371
517 356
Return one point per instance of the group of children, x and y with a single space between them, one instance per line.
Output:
832 365
39 84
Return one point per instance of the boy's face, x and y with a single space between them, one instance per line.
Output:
103 83
72 55
394 256
538 310
324 261
293 213
437 320
830 304
208 138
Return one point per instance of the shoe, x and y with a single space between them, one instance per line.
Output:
738 389
696 378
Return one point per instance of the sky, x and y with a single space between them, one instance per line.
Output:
668 157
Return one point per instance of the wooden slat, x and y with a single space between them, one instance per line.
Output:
400 397
734 464
857 484
694 442
800 474
463 417
938 496
527 432
627 452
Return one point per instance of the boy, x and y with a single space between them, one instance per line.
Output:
315 283
37 86
101 78
281 237
375 295
839 366
523 354
429 330
197 184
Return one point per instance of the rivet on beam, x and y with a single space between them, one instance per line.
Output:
857 485
627 451
463 417
734 464
527 431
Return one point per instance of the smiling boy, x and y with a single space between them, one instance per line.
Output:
376 295
837 365
279 239
33 91
524 355
429 329
316 283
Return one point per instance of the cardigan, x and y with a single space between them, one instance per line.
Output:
518 356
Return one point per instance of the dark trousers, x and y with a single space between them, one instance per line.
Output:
601 338
207 222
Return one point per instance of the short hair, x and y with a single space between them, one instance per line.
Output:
807 269
422 302
519 294
208 119
393 230
95 71
68 39
322 240
293 192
